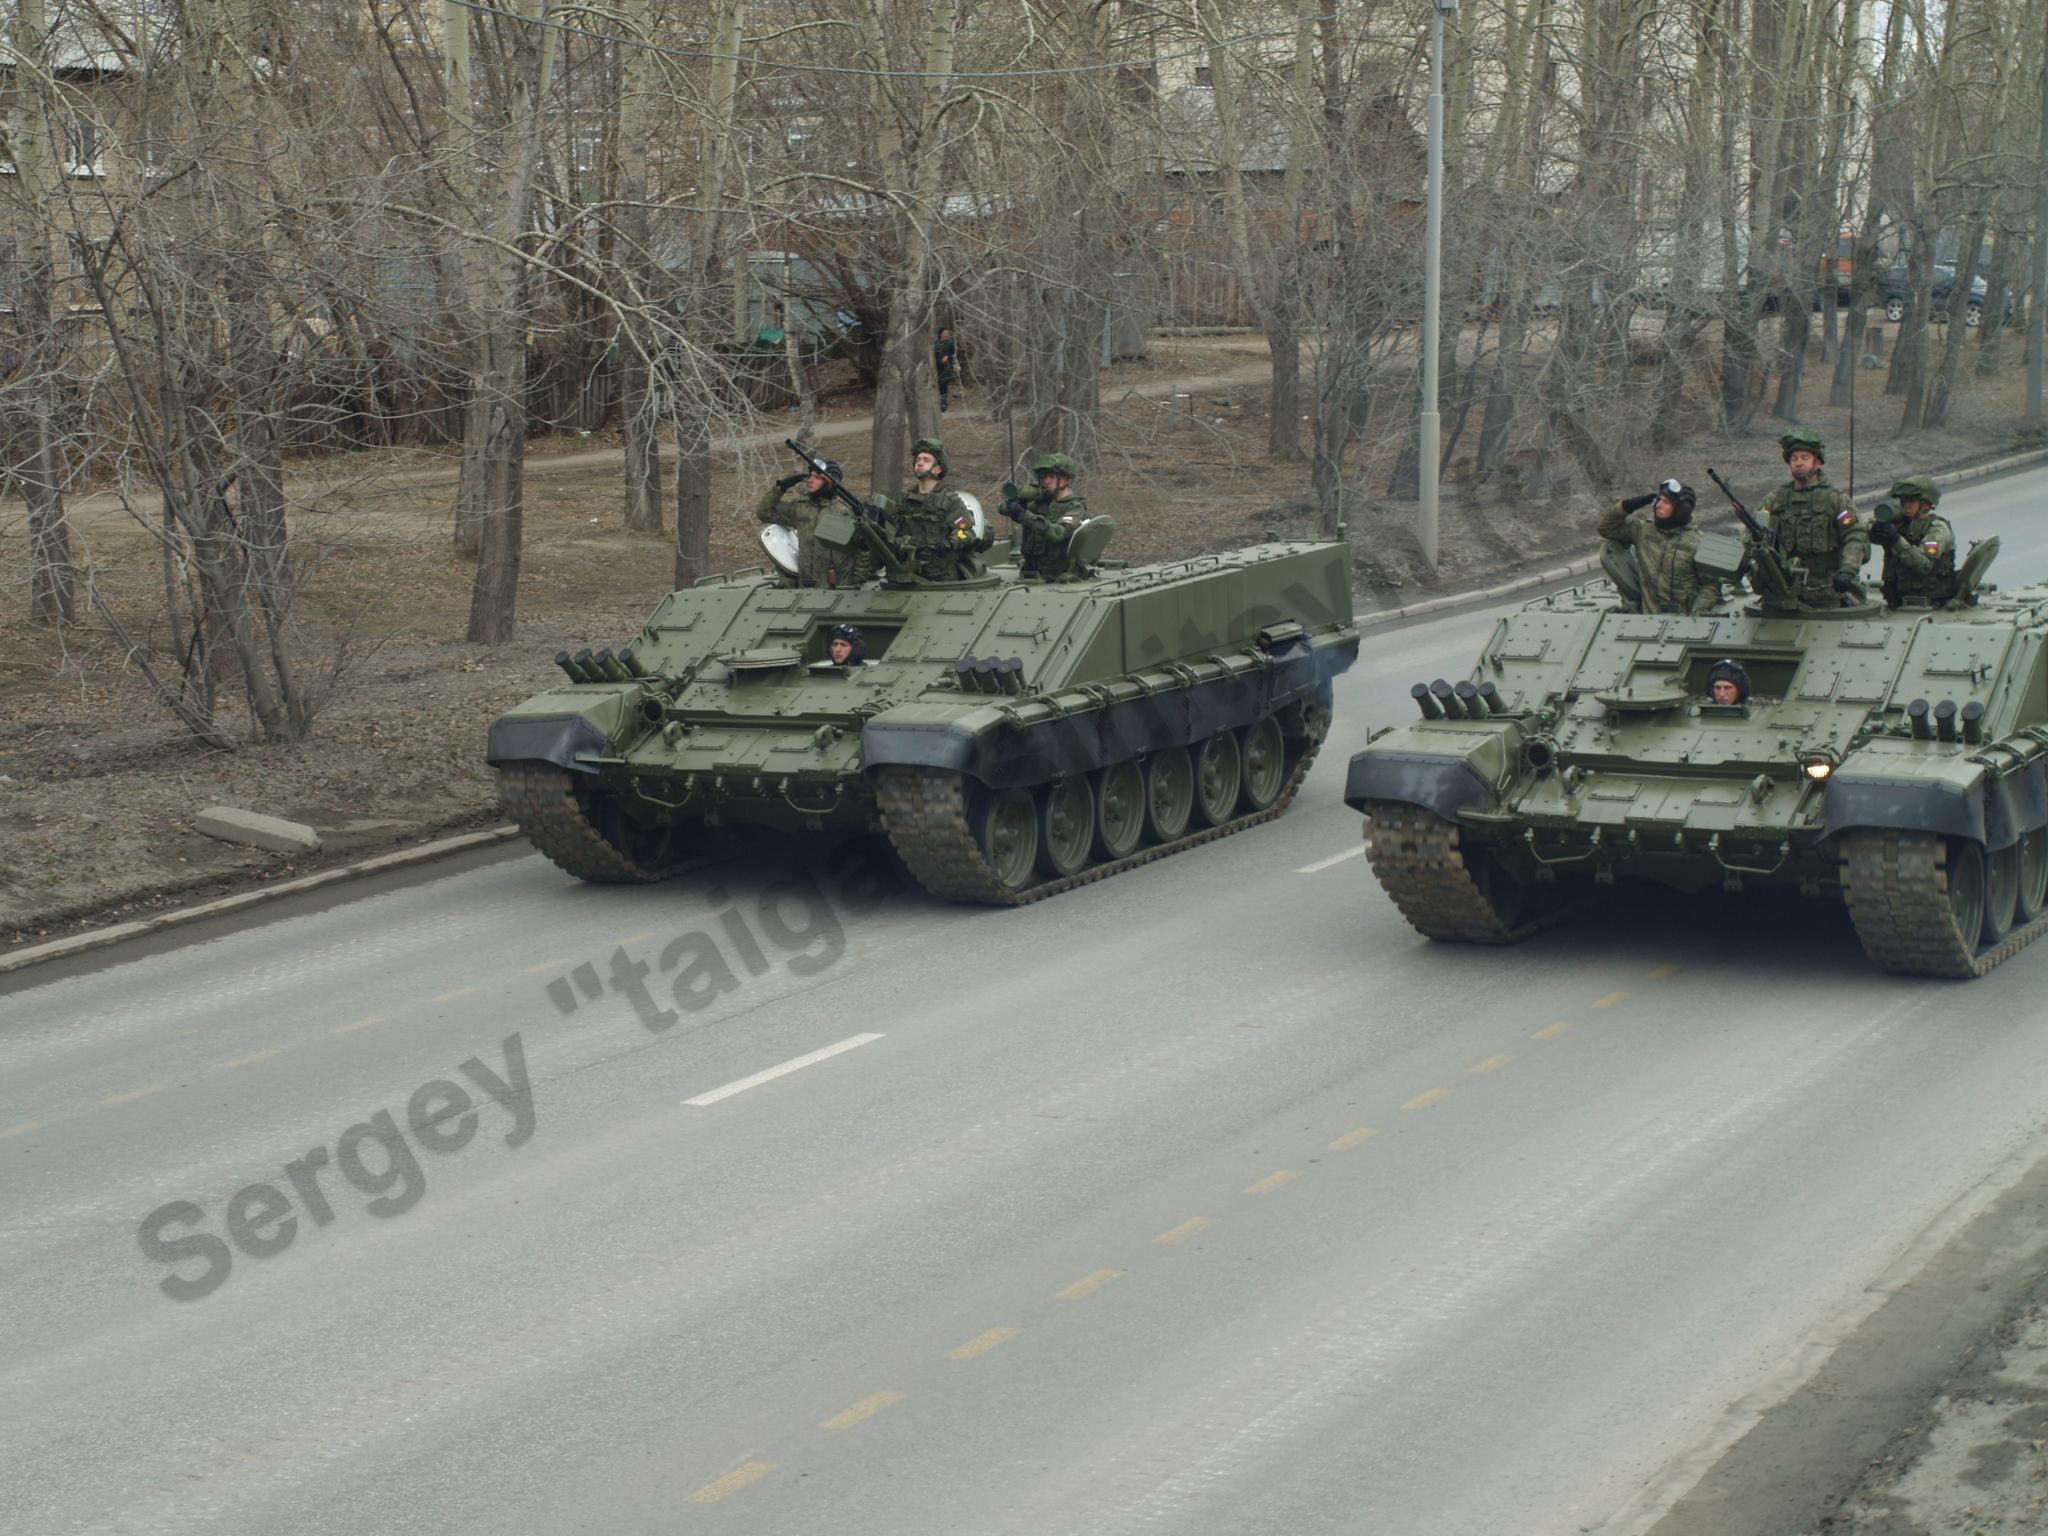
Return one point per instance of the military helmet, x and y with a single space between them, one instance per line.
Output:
1800 437
831 467
851 634
1683 499
1916 488
1732 671
932 446
1054 464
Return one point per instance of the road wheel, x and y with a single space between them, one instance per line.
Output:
1965 880
1219 775
1119 810
1895 310
1006 830
2033 881
1169 793
1974 315
1066 826
1264 751
2001 891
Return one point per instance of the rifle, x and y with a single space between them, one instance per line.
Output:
1756 530
867 520
1774 577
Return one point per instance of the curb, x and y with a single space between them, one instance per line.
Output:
1591 563
100 938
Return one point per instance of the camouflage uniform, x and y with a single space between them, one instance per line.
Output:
1921 563
1817 525
818 565
1671 583
928 526
1046 526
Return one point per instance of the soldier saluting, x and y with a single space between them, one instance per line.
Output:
1664 546
1919 548
1816 522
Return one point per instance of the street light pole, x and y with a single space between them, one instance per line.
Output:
1432 288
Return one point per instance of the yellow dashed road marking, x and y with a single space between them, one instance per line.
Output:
732 1482
1351 1139
1087 1285
449 997
1552 1031
1662 971
362 1023
547 965
133 1094
1610 999
866 1408
251 1058
638 938
1428 1097
1187 1228
982 1343
20 1130
1272 1181
1491 1064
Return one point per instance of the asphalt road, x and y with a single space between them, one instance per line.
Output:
1208 1199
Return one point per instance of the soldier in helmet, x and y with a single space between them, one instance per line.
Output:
1728 683
933 523
1046 519
1816 523
817 565
1664 544
846 646
1919 548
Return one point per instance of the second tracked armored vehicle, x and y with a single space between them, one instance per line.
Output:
1011 737
1894 758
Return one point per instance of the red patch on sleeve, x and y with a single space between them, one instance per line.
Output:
1932 546
1846 516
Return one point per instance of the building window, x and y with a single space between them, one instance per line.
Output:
82 147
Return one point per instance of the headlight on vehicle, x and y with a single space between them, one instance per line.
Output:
1817 764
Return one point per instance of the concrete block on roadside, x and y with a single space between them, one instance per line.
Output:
254 831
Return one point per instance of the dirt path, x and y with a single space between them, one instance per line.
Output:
105 509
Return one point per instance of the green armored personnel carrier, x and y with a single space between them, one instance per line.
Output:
1011 737
1896 758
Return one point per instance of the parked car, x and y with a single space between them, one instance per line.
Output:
1895 290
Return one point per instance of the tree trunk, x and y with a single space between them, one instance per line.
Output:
502 364
52 577
638 341
693 497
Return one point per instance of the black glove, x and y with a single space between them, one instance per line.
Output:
1637 503
1886 533
1012 508
788 481
1845 581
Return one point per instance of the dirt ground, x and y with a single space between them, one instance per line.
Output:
98 787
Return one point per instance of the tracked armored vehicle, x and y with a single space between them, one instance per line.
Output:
1894 758
1011 737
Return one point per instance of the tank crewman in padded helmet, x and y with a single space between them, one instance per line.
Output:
1919 548
1728 683
1664 544
818 565
1816 523
846 646
1046 518
933 523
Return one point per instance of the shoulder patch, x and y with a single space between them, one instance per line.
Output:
1932 546
1846 516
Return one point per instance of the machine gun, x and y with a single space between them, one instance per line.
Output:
1777 580
866 520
